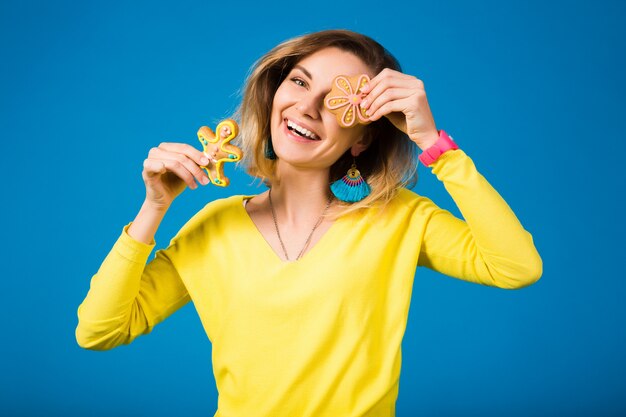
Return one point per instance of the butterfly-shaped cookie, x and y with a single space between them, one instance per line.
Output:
218 149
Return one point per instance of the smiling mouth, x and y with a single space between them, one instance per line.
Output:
301 131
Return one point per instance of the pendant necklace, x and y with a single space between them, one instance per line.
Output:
308 240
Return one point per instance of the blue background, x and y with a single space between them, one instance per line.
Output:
532 90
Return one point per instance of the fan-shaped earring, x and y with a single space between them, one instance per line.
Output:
351 187
269 149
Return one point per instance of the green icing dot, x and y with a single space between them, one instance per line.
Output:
232 156
217 181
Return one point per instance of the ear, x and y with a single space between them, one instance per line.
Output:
361 145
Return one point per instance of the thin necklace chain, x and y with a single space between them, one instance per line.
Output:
308 240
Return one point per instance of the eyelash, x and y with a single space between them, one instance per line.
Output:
297 80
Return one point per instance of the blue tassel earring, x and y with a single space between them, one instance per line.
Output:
351 187
269 149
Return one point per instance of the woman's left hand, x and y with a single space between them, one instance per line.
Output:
402 99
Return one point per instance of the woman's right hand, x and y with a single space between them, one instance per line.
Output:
170 168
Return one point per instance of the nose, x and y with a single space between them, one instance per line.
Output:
310 105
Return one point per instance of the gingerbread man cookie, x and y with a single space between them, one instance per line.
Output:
345 98
219 150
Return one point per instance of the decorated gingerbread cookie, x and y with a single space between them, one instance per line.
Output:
218 149
345 98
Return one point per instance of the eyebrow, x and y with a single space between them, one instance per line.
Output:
304 70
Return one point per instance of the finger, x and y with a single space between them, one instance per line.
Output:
388 95
180 171
385 74
153 167
404 81
183 148
383 88
390 107
390 79
190 165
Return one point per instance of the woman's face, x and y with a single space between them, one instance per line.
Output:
299 100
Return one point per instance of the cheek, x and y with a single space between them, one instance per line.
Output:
345 136
281 96
275 102
276 97
332 125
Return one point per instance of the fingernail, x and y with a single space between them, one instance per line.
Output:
204 160
365 87
204 180
364 103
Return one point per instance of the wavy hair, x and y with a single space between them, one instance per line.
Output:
389 162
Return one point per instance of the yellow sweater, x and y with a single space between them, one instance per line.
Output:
319 336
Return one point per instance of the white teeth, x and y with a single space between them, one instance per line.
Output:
302 130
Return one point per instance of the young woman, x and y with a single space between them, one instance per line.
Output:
305 297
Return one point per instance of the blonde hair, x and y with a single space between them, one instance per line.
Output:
390 161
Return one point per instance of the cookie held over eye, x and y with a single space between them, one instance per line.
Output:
345 98
218 149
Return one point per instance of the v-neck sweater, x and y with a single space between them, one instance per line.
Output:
320 336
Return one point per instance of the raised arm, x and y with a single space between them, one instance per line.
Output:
128 298
490 247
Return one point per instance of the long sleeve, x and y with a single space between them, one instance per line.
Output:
127 298
490 247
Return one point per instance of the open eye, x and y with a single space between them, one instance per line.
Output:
299 81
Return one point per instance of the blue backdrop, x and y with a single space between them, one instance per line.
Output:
532 90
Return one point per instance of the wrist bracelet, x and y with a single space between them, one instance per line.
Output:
443 144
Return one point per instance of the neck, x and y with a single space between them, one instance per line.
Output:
300 195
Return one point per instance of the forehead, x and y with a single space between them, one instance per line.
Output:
325 64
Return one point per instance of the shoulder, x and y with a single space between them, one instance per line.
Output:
219 208
406 213
407 200
221 205
406 207
212 217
